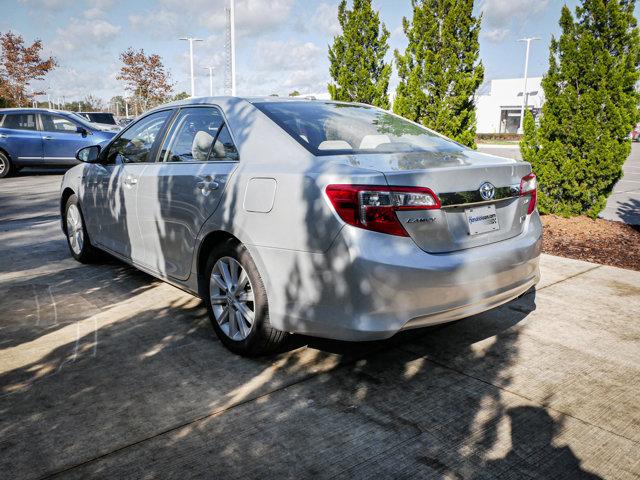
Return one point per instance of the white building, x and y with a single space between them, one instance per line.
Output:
498 111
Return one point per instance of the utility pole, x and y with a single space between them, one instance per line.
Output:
525 95
233 46
210 80
193 81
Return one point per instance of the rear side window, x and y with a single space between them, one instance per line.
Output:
135 143
20 121
198 134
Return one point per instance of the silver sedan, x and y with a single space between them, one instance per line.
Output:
331 219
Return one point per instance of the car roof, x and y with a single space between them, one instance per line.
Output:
31 110
102 113
225 101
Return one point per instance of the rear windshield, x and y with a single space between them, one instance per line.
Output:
328 128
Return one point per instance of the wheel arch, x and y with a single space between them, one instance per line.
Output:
206 245
6 153
66 194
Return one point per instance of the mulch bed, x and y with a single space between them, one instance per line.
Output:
599 241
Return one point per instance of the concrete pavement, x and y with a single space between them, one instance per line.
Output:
106 372
623 205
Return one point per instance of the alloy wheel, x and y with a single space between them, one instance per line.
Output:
232 298
3 165
74 229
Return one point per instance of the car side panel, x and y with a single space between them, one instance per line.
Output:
174 201
61 147
23 146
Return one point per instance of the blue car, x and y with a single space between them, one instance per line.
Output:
41 137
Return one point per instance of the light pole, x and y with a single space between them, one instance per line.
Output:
193 81
526 71
210 80
233 46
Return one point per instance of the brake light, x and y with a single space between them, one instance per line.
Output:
528 186
374 207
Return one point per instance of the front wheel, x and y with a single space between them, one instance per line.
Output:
77 237
237 302
6 168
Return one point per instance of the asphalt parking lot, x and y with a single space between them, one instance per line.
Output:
106 372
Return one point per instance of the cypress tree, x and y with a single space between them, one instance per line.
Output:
591 106
439 71
356 58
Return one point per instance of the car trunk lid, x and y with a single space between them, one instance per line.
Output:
466 219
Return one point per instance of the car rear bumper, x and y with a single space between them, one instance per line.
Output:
369 286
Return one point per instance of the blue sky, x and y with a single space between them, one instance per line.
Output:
281 44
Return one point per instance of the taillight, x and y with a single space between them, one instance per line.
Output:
374 207
528 186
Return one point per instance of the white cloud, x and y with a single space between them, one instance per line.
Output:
47 4
82 36
325 18
495 35
501 12
253 17
283 66
77 83
277 55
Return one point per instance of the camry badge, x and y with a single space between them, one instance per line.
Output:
487 191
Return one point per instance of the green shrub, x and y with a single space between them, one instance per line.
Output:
591 105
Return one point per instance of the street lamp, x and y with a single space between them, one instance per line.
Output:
210 79
232 27
193 82
526 71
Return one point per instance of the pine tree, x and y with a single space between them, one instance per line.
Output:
439 71
591 105
357 67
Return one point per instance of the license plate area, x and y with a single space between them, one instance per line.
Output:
482 219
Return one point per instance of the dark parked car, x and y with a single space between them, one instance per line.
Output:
37 137
105 118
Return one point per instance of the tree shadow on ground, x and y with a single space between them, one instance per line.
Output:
629 212
151 393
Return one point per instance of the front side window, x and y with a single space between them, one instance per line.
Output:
136 143
198 134
57 123
328 128
20 121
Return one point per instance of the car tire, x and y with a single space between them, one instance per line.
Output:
76 232
249 339
6 168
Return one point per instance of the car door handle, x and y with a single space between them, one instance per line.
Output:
130 181
47 137
4 135
207 184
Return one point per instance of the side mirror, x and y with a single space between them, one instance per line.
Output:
88 154
81 130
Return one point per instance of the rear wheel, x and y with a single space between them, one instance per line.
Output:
237 302
6 168
77 237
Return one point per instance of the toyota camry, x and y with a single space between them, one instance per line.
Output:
331 219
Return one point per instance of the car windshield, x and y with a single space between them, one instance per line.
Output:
330 128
